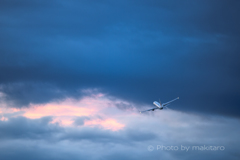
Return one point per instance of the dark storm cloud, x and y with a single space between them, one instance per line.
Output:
23 128
21 94
33 129
136 50
80 120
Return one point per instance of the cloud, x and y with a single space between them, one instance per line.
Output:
138 51
159 128
23 128
90 110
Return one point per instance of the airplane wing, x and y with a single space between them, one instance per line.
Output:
165 104
152 109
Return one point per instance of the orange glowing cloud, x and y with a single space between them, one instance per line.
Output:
67 108
56 110
63 121
100 110
65 112
4 119
111 124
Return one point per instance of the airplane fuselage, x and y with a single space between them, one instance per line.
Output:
158 105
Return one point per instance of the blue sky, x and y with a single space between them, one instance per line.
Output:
130 52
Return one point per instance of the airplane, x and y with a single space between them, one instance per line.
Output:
159 105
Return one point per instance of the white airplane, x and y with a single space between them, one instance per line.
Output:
159 105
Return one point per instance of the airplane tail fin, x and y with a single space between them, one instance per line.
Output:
160 102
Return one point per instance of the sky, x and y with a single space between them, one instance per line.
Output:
74 74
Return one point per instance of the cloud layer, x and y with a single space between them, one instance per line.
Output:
112 132
136 50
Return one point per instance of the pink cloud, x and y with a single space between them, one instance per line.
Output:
4 119
111 124
66 111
